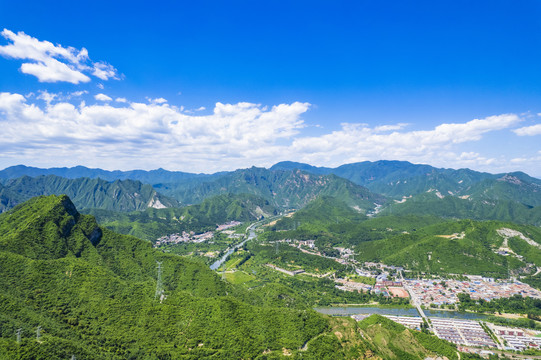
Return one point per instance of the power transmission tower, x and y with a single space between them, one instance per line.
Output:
277 247
159 289
18 332
73 357
38 333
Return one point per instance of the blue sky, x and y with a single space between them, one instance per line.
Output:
207 86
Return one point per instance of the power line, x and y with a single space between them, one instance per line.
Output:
159 285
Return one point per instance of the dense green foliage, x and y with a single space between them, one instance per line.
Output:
93 293
324 210
340 227
151 224
250 268
289 257
119 195
467 208
95 290
515 305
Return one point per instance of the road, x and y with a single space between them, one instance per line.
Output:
417 303
216 265
250 230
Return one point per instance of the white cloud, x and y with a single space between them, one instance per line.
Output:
148 135
158 134
53 63
104 71
52 70
102 97
528 130
359 142
157 100
384 128
77 94
46 96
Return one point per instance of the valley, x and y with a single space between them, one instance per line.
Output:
270 180
254 242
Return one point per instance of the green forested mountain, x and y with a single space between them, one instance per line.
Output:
8 198
330 222
287 187
517 187
95 295
119 195
397 178
512 197
151 224
464 246
324 210
284 189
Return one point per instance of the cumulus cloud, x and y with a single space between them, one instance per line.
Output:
46 96
102 97
383 128
104 71
157 100
145 134
158 134
529 130
357 142
53 63
77 94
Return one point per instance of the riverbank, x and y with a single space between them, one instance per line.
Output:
375 304
395 311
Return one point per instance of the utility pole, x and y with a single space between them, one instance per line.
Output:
18 333
159 290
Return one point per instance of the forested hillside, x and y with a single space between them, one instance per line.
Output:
151 224
284 189
119 195
94 294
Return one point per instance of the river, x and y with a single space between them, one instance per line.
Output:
352 310
216 265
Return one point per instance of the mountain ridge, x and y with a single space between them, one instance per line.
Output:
121 195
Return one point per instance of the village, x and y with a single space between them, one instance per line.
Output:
441 292
186 237
474 336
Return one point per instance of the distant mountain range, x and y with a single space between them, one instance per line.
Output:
119 195
148 177
388 187
389 178
283 188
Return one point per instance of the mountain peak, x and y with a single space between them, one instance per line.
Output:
48 227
